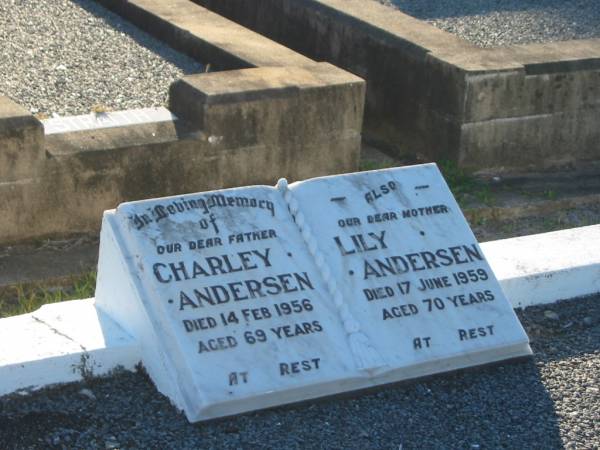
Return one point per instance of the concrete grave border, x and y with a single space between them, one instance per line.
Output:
270 112
74 341
430 93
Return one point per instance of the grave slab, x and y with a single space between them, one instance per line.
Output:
252 297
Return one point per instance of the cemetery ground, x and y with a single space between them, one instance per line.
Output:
548 401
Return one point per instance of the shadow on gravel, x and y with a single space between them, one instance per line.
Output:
504 406
141 37
30 430
564 329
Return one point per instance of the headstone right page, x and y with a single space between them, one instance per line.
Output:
409 269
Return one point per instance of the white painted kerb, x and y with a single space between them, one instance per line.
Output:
59 343
64 342
544 268
110 119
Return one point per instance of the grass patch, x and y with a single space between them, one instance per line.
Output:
374 165
464 185
550 194
22 299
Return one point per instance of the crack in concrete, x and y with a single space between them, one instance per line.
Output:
86 365
59 333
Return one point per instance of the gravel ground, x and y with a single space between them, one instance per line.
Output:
546 402
71 57
491 23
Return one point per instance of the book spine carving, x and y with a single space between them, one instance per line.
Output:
365 355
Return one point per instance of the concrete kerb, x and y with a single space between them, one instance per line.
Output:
61 343
544 268
524 107
73 341
59 183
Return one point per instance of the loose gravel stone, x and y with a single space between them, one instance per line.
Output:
87 393
491 23
549 401
63 57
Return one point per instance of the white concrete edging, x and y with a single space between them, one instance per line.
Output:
69 341
109 119
60 343
545 268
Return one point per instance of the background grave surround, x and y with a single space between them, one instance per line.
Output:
266 112
518 108
271 111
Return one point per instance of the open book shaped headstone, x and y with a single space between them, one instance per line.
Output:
252 297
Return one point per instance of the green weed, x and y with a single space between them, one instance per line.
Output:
463 184
550 194
22 299
374 165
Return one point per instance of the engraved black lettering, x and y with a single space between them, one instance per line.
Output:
159 275
185 301
341 247
215 264
254 288
197 269
179 269
235 289
220 343
429 260
442 254
297 367
473 253
264 256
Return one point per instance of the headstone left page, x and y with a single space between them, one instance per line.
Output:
227 298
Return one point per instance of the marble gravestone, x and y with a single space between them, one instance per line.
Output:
252 297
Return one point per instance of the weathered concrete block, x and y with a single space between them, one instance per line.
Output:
544 141
235 128
429 92
289 117
392 53
21 142
559 84
303 119
88 171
